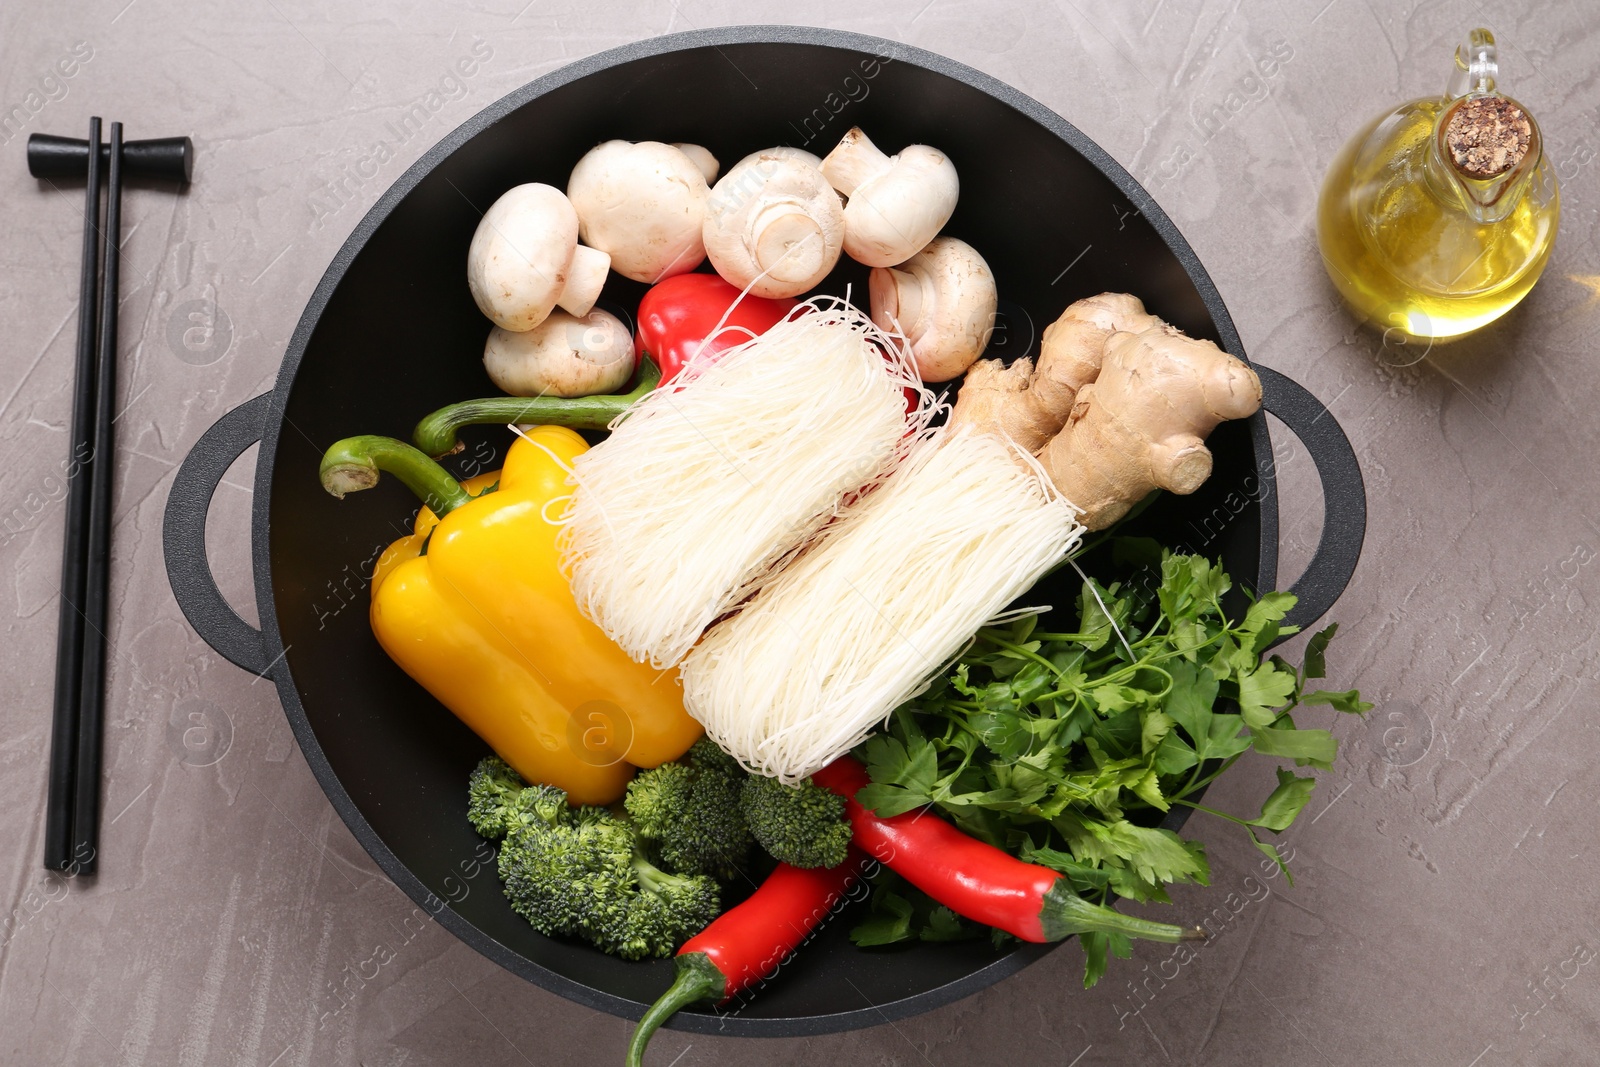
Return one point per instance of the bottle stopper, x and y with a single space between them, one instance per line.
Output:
1487 136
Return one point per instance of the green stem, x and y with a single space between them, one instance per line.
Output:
1188 787
1039 635
1019 650
352 465
1209 811
1150 666
1196 782
1065 913
698 979
1114 678
436 433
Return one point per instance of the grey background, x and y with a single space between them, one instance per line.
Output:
1443 909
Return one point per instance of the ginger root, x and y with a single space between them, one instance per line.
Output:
1031 405
1120 403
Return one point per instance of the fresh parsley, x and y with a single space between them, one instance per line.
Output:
1065 746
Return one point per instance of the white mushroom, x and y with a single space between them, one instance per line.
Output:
644 204
701 158
896 204
943 300
525 259
562 356
773 216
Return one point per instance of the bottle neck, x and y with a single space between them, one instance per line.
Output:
1482 155
1485 146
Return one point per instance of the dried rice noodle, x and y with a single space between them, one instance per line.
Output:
878 605
710 483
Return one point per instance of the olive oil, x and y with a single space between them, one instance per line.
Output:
1437 218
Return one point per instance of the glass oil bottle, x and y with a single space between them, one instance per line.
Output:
1438 217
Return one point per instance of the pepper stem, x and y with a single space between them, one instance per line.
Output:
436 433
698 979
352 465
1064 913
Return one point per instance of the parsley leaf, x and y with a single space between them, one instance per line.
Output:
889 922
1085 877
1262 621
1154 727
1262 690
1349 700
1315 748
1094 951
1286 801
1194 693
1316 665
944 925
1151 852
1174 755
1270 851
904 776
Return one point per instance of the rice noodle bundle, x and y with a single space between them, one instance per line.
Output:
709 483
878 605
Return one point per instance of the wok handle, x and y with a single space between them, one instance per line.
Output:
1344 494
183 536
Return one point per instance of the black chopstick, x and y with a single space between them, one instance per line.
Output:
58 825
92 690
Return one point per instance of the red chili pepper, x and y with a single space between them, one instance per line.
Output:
747 943
676 315
977 880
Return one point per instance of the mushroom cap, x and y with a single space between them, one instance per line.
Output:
563 356
944 300
783 151
517 262
643 203
702 158
894 214
774 213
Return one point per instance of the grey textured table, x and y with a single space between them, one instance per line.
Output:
1443 909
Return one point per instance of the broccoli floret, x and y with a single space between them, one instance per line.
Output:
583 871
490 792
553 872
802 826
659 913
690 812
706 755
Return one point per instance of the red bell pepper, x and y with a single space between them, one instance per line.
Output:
676 315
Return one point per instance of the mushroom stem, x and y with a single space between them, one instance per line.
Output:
899 294
895 204
853 161
774 224
943 300
586 276
788 244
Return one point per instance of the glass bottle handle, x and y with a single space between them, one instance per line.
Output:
1477 66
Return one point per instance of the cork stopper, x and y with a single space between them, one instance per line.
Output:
1487 136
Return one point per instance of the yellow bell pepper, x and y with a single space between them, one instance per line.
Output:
473 605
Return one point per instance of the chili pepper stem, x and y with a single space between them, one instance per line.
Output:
436 433
1064 913
352 465
698 979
